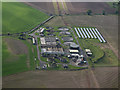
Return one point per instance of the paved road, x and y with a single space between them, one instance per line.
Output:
38 52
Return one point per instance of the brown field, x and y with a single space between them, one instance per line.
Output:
57 21
106 77
47 79
74 7
16 46
96 7
46 7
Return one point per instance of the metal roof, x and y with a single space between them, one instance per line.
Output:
73 50
42 40
73 45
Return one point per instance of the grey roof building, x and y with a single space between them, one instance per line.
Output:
67 39
50 39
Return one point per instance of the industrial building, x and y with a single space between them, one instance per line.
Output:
40 30
57 51
49 46
34 42
48 41
67 43
65 33
88 52
42 40
74 46
73 51
67 39
75 55
63 28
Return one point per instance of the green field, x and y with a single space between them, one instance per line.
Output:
18 17
109 59
16 62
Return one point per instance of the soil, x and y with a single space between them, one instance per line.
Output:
16 47
96 7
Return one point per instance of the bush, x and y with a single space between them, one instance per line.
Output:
89 12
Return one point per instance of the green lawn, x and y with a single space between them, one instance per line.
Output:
96 50
43 59
31 54
59 67
74 67
109 59
18 17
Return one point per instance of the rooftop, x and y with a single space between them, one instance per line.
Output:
87 50
42 39
50 39
68 39
73 45
74 51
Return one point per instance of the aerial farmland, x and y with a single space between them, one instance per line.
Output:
60 44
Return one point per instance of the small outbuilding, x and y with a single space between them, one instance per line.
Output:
88 52
34 42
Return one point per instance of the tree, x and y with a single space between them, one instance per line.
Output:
89 12
8 33
103 13
116 12
22 36
54 65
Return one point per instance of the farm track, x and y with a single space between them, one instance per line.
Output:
88 79
113 49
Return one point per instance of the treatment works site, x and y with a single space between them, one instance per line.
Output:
60 44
